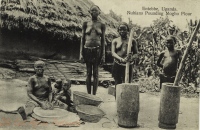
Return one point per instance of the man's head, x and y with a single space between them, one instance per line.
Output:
39 67
94 10
171 30
123 29
170 41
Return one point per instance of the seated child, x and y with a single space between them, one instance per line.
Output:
62 92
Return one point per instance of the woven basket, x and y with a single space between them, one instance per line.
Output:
85 99
89 113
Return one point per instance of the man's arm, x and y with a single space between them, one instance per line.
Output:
134 49
103 28
179 57
160 59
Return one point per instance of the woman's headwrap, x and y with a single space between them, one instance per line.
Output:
39 63
123 23
94 6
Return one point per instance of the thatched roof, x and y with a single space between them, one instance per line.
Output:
61 18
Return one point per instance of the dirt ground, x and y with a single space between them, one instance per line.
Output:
13 95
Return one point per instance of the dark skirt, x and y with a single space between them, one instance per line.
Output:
92 55
163 79
118 72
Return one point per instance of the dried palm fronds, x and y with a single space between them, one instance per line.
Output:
61 18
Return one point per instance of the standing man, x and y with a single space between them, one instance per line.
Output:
93 47
169 60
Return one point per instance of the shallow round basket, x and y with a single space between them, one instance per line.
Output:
86 99
89 113
57 116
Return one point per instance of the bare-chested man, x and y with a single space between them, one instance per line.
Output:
168 61
119 52
93 47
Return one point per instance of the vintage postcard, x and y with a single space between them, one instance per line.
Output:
99 64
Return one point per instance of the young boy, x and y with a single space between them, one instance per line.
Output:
62 92
168 61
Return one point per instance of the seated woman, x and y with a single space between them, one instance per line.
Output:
39 91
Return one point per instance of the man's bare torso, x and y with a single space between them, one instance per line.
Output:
170 62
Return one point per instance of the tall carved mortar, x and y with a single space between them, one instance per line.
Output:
127 104
169 106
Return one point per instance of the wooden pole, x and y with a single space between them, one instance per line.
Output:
81 49
154 42
128 52
178 75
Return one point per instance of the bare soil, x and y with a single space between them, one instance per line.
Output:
13 95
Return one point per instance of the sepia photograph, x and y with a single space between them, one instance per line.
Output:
99 64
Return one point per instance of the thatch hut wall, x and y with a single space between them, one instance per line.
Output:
46 27
25 44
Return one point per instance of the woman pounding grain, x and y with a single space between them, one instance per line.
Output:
119 52
93 47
